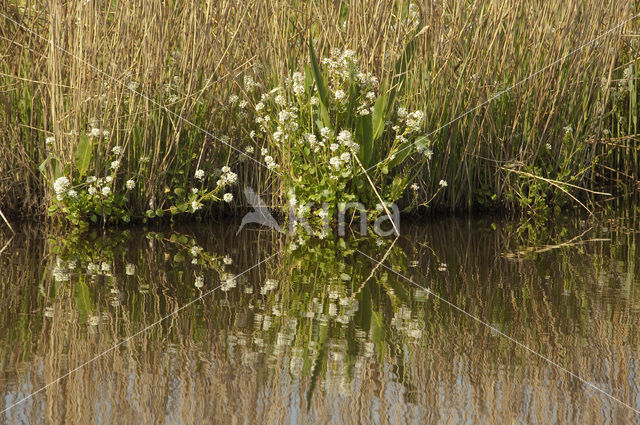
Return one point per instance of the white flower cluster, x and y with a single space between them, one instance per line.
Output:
250 83
228 177
297 83
96 132
60 187
414 120
268 160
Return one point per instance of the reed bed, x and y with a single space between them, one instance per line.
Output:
154 78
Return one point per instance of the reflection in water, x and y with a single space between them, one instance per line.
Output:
318 333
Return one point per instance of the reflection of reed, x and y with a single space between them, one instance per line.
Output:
576 305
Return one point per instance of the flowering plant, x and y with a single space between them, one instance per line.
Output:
338 136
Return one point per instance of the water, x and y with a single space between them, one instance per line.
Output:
319 334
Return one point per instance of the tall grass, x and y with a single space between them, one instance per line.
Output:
157 76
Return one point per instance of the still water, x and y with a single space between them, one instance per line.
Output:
155 325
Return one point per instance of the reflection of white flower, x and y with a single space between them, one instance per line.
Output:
106 267
269 285
199 283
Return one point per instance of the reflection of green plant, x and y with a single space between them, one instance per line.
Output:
82 259
327 307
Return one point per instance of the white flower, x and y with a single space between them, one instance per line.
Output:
91 190
271 165
280 100
567 129
415 186
72 193
116 150
339 95
231 177
233 99
95 132
414 120
105 134
106 191
325 132
92 179
243 104
130 269
199 174
344 137
402 112
50 140
334 147
61 185
228 197
314 100
227 260
115 165
428 153
130 184
335 162
108 179
195 206
226 169
548 146
443 183
345 157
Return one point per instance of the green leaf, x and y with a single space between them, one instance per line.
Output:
322 89
83 155
378 334
401 153
364 136
378 116
83 300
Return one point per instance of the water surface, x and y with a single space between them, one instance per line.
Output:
319 334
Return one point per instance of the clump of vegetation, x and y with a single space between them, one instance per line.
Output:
334 138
